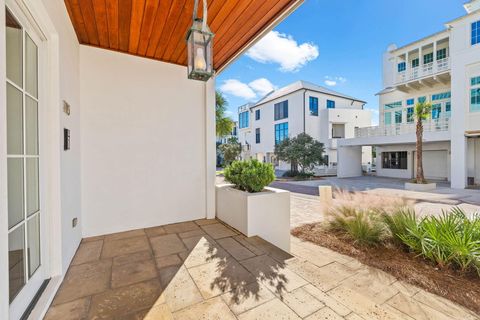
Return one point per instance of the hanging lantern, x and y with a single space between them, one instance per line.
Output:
199 43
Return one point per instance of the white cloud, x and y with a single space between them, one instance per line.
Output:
280 48
262 86
238 89
333 81
256 88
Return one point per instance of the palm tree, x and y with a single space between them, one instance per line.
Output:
422 112
224 125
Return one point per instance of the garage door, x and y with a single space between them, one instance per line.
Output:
435 165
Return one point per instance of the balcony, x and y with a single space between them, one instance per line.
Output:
433 125
428 74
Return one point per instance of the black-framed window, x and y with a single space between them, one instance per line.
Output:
394 160
257 114
281 110
415 62
313 106
330 104
427 58
257 135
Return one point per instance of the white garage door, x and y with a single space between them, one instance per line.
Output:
435 165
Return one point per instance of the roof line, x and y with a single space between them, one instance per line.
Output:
286 94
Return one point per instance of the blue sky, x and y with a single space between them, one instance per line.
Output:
333 41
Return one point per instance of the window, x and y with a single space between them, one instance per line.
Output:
257 114
476 33
436 111
398 116
428 58
402 66
393 105
243 120
422 99
475 95
281 132
415 63
257 135
330 104
448 109
441 96
410 116
387 116
441 54
281 110
394 160
313 106
410 102
338 131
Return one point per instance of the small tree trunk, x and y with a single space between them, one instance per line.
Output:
419 130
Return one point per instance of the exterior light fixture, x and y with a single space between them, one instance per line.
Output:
200 43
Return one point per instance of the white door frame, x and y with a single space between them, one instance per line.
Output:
50 141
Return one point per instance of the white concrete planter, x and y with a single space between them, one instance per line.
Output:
265 214
420 187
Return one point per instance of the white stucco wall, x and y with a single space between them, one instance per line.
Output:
143 143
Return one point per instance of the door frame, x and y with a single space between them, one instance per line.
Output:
37 17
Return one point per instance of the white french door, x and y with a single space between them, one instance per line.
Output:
25 216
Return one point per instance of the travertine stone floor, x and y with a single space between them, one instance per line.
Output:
205 270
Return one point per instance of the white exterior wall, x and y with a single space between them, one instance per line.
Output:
135 150
466 64
319 127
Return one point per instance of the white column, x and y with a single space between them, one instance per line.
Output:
435 57
349 161
210 152
407 65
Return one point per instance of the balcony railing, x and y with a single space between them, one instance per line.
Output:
432 125
424 70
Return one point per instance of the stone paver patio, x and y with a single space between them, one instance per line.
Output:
206 270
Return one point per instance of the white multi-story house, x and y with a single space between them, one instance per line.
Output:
444 69
324 114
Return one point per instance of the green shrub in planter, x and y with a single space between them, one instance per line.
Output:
250 175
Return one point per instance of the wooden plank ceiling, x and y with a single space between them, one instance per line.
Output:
157 28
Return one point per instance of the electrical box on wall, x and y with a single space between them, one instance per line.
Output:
66 139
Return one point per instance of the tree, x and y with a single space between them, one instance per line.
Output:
422 112
224 125
231 150
301 151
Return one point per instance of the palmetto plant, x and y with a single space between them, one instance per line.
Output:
422 112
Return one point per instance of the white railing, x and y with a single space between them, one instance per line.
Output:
432 125
424 70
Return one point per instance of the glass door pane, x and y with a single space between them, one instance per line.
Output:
14 120
31 66
14 39
33 249
15 191
31 126
16 261
33 201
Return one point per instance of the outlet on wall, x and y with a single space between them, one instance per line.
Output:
74 222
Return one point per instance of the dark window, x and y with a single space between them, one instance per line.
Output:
428 58
398 117
441 54
243 120
257 135
281 110
410 116
476 33
330 104
314 106
257 114
394 160
281 132
402 66
415 62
